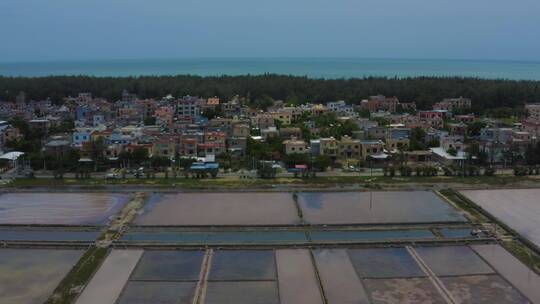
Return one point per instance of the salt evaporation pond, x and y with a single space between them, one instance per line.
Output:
30 276
381 275
207 209
517 208
376 207
59 208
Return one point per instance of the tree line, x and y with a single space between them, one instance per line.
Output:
485 93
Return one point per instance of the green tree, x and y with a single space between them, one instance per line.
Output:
322 162
473 129
417 139
139 155
297 159
149 121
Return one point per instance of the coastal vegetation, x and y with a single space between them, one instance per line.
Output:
500 96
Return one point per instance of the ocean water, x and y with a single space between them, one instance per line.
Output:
312 67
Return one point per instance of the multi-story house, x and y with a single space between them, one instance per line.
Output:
188 146
165 146
290 132
284 117
378 132
468 118
263 121
533 127
533 111
188 106
371 148
380 103
329 146
295 145
451 104
164 115
82 135
349 148
240 130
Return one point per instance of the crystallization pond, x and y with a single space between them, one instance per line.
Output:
29 276
59 208
517 208
477 274
267 209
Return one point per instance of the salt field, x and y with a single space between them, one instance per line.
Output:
252 208
29 276
47 235
260 248
411 290
517 208
59 208
201 209
383 275
482 289
281 236
453 261
376 207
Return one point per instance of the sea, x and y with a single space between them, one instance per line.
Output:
329 68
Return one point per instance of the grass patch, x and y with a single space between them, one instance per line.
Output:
524 254
465 204
298 209
236 183
78 277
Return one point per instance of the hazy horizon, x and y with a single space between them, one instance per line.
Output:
332 68
265 58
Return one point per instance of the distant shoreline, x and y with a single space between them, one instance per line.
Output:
315 68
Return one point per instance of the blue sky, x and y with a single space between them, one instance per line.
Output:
50 30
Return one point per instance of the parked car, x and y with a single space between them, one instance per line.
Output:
112 176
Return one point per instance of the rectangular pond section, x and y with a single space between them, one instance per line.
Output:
243 277
17 234
215 209
482 289
382 275
137 292
523 278
297 278
59 208
243 265
269 237
517 208
376 207
384 263
369 235
158 265
397 291
30 275
453 260
338 277
108 282
242 292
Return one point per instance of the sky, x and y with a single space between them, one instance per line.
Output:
66 30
